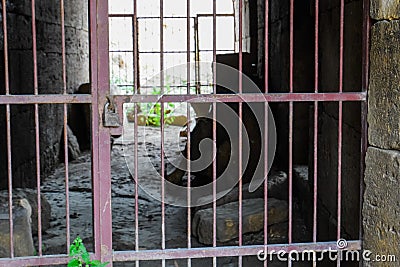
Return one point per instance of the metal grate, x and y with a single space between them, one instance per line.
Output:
196 92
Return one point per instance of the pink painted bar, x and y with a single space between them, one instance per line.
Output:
228 251
266 112
188 155
240 259
214 129
316 77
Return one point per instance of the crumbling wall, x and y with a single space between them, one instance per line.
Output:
381 208
50 80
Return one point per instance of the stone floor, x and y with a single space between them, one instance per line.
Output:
123 205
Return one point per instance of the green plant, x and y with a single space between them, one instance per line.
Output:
153 111
80 256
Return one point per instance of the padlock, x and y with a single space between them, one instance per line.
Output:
111 116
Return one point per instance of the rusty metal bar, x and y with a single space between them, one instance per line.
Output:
214 129
100 136
266 113
37 134
35 261
65 134
94 124
39 205
228 251
136 141
45 99
291 57
188 155
8 129
5 45
9 176
316 77
270 97
340 126
162 129
240 259
202 98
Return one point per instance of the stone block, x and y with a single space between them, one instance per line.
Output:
381 208
31 196
385 9
384 89
22 241
228 219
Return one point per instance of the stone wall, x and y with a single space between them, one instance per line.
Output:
381 208
50 81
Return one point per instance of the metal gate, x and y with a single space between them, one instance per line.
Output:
100 100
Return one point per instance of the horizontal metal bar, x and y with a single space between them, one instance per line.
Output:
35 261
180 17
184 52
269 97
45 99
121 15
231 251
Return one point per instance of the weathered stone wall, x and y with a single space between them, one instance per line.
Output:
50 81
381 208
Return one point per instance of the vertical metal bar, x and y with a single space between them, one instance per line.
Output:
162 128
214 129
291 55
340 125
39 205
266 114
100 136
8 129
65 136
37 141
136 143
136 177
5 44
9 169
291 126
135 47
189 196
316 77
240 259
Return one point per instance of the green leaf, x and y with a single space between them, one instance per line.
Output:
98 263
85 256
74 263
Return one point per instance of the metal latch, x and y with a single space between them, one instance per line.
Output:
110 115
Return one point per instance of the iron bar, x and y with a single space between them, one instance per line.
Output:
291 59
228 251
340 126
316 77
45 99
136 141
266 130
188 155
240 259
270 97
214 129
162 128
8 129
